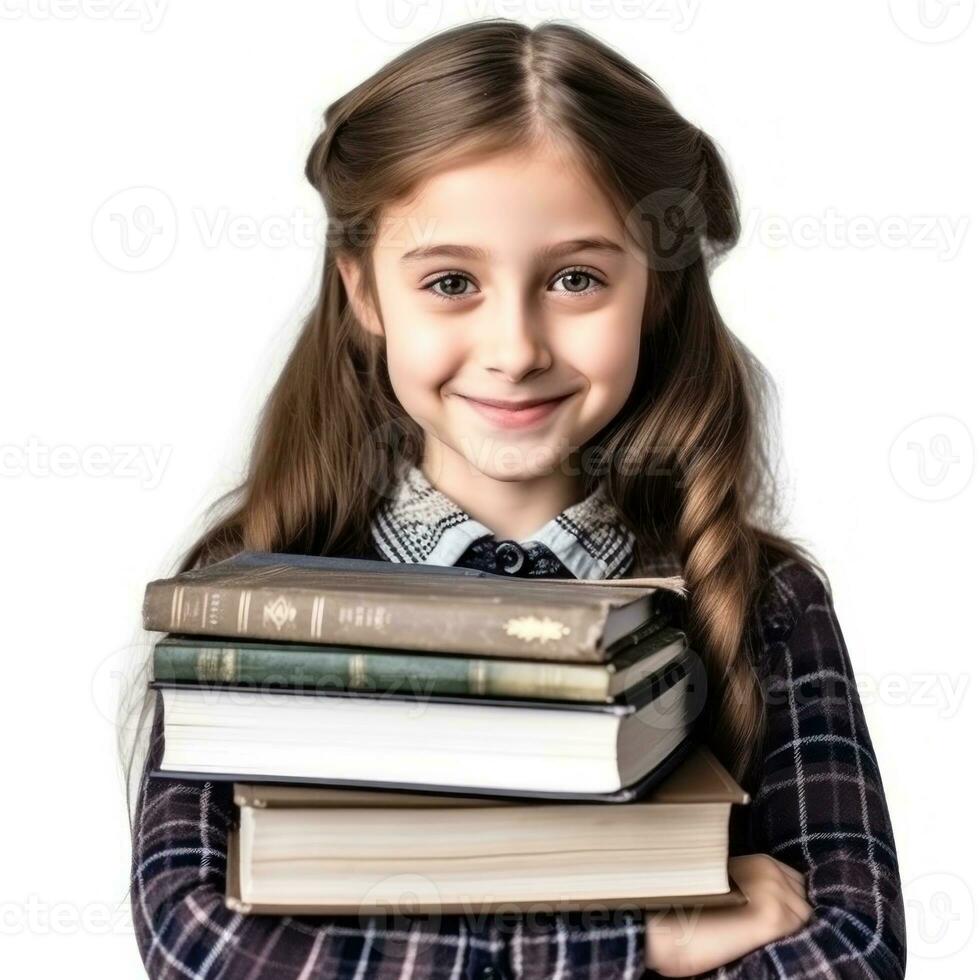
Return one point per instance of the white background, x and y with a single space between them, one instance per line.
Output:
131 379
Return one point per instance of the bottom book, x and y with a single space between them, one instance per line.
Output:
307 850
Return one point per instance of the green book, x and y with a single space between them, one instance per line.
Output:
205 660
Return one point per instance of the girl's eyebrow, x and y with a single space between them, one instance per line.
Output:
597 243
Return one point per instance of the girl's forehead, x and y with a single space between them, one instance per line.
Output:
538 166
527 197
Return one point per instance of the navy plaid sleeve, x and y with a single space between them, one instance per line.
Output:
819 805
184 929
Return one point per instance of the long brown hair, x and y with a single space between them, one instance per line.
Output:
686 461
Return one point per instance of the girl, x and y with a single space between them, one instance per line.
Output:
515 363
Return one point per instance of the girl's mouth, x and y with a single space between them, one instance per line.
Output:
517 414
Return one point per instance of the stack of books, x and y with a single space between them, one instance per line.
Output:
518 743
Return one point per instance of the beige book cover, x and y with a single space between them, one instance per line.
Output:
700 783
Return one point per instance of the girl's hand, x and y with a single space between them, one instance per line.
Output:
682 942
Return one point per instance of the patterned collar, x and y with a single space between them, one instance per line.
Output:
419 523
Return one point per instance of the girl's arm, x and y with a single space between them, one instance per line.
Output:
184 929
820 805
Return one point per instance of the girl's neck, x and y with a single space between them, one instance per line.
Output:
512 509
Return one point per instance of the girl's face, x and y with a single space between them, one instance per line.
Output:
507 280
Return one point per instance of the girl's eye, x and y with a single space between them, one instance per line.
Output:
456 280
575 280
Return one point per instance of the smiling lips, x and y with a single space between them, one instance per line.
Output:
514 414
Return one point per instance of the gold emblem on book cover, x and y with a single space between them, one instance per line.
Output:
217 665
279 613
531 628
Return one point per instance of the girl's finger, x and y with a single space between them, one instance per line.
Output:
793 874
795 886
800 906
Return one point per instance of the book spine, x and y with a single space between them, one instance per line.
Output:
484 626
389 672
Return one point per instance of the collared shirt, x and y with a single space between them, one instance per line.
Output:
817 804
419 523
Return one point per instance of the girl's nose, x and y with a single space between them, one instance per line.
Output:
515 342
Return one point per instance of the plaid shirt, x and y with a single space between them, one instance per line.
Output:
817 805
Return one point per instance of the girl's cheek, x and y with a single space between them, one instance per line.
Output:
607 353
421 360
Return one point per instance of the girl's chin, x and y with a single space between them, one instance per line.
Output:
506 457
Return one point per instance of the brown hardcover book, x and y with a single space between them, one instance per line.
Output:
320 850
305 602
